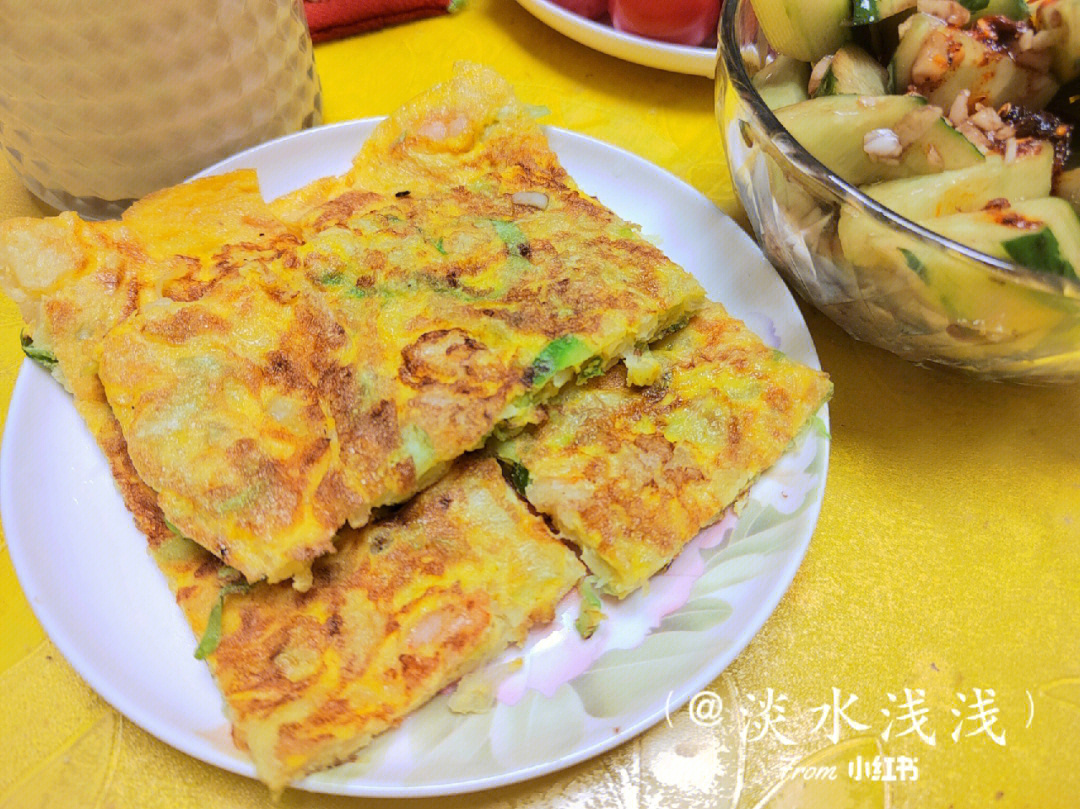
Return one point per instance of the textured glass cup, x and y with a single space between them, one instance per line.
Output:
102 103
949 305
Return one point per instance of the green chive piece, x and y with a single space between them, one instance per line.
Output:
591 614
212 636
46 359
515 239
562 352
519 477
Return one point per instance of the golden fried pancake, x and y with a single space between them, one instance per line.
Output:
405 607
341 365
631 474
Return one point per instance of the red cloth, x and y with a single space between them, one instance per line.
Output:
333 19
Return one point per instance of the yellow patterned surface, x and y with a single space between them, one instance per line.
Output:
946 558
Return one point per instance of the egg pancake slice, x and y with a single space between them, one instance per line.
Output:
75 280
405 607
343 368
631 474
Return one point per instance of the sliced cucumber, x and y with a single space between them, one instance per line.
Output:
918 28
1041 234
805 30
833 129
940 61
1043 251
972 188
1063 15
853 71
978 308
783 81
866 12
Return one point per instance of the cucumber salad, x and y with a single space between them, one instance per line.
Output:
955 114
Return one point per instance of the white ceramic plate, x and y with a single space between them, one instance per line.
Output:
632 48
91 582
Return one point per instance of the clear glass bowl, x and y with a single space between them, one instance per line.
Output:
957 307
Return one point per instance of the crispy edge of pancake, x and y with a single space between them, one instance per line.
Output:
116 270
632 475
453 133
36 254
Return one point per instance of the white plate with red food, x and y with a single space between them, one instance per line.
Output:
675 35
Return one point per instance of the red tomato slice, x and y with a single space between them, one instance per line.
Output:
593 9
684 22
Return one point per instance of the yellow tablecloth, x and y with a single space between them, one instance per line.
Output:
946 561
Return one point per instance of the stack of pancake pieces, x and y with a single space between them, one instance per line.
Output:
378 428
